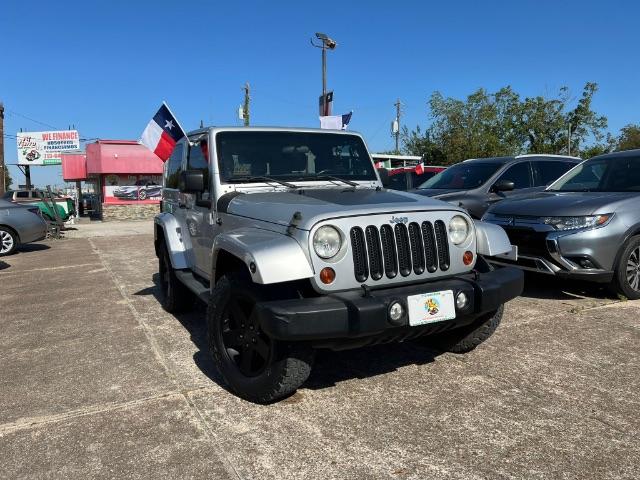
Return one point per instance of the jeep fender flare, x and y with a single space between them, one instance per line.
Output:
270 257
173 239
491 240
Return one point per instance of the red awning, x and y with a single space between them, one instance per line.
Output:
121 156
74 167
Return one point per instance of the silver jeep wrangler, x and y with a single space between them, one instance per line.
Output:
290 237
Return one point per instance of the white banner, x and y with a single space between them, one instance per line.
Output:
44 148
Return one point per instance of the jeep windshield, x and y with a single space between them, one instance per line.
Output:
614 174
282 156
462 176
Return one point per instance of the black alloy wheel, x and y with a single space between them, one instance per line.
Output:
244 342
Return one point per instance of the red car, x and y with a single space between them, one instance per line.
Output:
408 178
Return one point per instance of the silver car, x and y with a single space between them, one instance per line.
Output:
586 225
19 224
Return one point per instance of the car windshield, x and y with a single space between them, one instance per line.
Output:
245 155
463 176
614 174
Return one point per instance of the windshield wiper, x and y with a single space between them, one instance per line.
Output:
332 178
258 178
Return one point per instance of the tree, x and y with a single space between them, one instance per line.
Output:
583 121
629 138
496 124
416 142
482 126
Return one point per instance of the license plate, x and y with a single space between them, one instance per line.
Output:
431 307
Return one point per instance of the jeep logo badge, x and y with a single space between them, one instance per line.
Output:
404 220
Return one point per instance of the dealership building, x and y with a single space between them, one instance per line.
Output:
126 176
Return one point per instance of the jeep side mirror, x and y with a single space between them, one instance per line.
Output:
191 181
384 176
503 186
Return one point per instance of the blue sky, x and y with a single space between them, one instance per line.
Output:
105 66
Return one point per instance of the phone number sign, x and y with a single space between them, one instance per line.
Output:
45 148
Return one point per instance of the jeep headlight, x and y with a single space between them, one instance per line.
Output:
458 229
577 223
327 241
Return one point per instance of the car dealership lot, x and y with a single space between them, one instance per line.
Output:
96 380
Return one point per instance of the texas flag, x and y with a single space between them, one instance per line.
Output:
336 122
162 133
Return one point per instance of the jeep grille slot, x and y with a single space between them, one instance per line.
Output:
404 252
431 254
360 268
417 249
374 251
443 245
389 251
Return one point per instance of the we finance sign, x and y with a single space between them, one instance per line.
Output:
45 148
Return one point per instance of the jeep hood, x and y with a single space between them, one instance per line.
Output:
319 204
561 204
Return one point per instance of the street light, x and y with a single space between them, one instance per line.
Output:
326 43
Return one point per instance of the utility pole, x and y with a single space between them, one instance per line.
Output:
2 165
396 126
245 105
569 140
327 43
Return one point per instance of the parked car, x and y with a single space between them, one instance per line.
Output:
408 178
19 224
291 238
476 184
141 190
65 206
586 225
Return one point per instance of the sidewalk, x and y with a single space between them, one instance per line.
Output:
109 229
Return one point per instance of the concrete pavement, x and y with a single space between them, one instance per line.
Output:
97 381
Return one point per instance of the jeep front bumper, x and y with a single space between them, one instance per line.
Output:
355 318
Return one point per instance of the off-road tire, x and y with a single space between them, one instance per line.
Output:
174 296
288 365
465 339
8 241
630 254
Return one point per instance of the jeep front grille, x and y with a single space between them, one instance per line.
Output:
401 249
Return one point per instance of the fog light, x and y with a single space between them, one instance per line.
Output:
327 275
396 311
467 258
461 300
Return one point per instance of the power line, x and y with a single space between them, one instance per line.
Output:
12 112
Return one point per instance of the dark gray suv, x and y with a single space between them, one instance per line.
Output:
476 184
585 225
